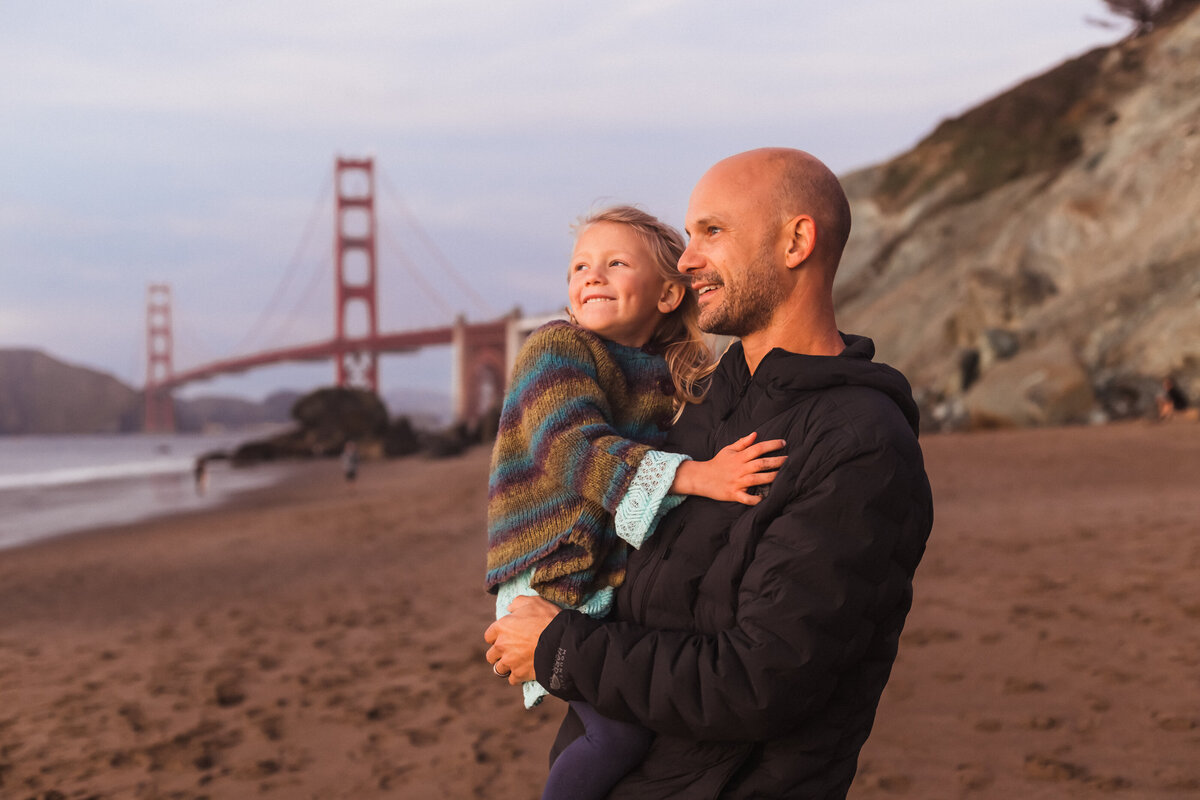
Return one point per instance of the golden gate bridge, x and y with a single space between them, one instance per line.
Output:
483 351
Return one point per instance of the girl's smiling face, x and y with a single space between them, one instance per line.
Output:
615 288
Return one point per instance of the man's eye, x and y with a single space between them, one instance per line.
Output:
712 230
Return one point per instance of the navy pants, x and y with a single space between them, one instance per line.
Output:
591 765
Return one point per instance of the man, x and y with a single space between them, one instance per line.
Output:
755 641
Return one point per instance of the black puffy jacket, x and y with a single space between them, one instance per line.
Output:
756 641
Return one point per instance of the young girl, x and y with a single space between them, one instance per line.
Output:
574 472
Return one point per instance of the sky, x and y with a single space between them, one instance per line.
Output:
193 143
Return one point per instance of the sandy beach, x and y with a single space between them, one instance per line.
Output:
324 640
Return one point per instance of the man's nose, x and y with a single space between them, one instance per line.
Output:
689 260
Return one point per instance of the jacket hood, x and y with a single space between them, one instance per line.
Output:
783 374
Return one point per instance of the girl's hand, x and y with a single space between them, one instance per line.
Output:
732 471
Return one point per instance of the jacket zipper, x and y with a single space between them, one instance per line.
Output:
737 402
736 767
646 579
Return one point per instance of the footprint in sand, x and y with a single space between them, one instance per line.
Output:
1024 612
1014 685
394 699
949 677
1079 613
272 727
1039 722
925 636
1174 723
1044 583
974 777
201 748
135 716
1106 783
1113 676
1045 768
1176 780
419 737
227 682
895 784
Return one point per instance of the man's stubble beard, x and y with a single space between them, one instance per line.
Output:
749 303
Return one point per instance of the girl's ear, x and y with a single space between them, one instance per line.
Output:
672 296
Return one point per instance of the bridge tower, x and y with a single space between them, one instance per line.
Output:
354 252
160 407
483 356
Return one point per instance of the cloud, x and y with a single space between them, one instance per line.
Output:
185 141
507 67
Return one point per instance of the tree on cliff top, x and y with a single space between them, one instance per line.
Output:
1145 14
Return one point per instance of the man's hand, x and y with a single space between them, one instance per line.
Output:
514 638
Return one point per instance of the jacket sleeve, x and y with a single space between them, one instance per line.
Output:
838 556
566 418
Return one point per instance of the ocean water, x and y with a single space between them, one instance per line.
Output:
53 485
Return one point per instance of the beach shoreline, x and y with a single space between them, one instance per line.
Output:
52 486
323 639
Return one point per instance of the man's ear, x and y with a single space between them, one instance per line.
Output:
802 239
672 296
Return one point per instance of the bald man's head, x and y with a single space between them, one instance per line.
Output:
793 182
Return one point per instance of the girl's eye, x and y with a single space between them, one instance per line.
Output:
578 267
617 263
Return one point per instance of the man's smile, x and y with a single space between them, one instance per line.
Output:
705 285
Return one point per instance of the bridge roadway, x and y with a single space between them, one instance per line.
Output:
399 342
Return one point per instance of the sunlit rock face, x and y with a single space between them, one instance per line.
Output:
1066 211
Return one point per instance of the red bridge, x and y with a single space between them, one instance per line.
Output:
483 351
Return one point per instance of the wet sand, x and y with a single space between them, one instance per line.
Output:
324 640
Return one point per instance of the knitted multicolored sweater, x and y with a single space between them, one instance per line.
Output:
580 415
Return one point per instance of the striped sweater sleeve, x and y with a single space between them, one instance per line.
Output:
566 419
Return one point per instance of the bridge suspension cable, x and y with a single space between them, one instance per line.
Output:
290 271
434 250
191 347
415 274
319 276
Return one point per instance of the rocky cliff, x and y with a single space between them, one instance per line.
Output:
1037 259
39 394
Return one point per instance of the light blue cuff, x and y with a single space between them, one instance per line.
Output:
598 604
648 498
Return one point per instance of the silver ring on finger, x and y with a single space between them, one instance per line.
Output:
496 669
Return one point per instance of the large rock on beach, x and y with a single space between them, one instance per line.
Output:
331 417
400 439
326 420
1047 386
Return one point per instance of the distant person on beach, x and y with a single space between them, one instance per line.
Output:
1172 400
756 641
200 474
576 477
350 461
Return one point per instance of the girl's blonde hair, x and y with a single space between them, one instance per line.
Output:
678 335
